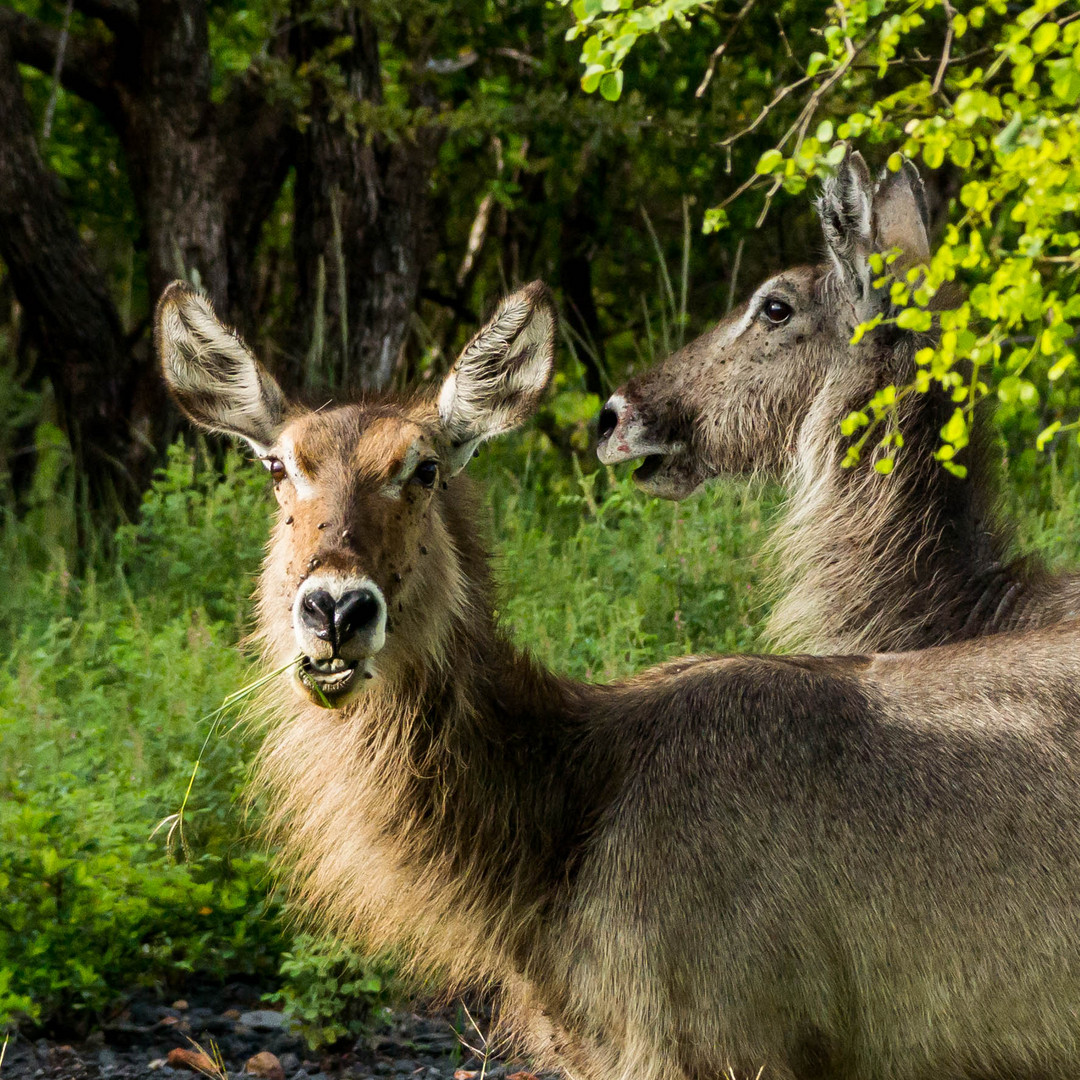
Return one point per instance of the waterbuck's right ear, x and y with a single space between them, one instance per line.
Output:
901 219
496 382
212 374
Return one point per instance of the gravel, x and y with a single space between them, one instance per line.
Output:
420 1045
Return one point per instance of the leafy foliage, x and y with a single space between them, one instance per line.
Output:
331 990
989 94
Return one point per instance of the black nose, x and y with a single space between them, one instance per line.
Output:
609 421
338 620
355 611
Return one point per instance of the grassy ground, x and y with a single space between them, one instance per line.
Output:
106 679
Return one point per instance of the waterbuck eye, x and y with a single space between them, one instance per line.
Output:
426 473
776 311
276 468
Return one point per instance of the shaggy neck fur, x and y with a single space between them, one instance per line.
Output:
467 788
874 563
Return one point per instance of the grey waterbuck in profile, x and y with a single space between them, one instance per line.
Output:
815 867
866 561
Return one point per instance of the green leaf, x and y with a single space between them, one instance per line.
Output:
611 85
914 318
1047 434
956 428
769 162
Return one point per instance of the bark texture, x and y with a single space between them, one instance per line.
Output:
71 315
361 231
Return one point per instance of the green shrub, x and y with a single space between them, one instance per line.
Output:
330 991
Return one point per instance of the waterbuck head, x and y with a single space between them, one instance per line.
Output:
365 551
735 400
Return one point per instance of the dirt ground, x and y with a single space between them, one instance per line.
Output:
142 1041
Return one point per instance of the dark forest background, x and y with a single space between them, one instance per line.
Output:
354 184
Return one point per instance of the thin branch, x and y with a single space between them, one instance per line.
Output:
88 65
61 48
940 76
767 109
722 47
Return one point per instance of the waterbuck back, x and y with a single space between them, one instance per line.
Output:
865 561
725 867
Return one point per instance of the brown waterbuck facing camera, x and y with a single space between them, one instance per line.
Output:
865 561
814 867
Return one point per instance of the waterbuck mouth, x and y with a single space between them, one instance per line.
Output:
329 679
649 468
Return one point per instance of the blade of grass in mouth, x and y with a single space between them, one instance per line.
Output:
175 822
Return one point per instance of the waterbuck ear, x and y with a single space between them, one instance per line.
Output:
845 210
212 374
900 217
496 382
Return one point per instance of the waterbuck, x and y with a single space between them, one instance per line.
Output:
865 561
814 867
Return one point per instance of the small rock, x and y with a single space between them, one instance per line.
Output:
108 1060
265 1065
192 1059
157 1063
465 1074
289 1062
231 1014
180 1005
262 1020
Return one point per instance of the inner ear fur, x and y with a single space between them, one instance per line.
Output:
211 373
497 381
846 219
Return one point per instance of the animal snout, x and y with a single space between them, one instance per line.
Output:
340 617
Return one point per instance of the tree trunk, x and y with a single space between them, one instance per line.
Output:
70 314
361 217
173 150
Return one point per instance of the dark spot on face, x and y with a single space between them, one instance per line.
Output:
445 485
400 606
288 520
476 452
345 534
423 550
323 524
368 675
314 565
397 577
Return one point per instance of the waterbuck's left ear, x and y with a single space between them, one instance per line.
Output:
496 383
900 216
212 374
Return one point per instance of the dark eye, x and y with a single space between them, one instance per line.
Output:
426 473
276 468
776 311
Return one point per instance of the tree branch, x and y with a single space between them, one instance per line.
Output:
88 65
